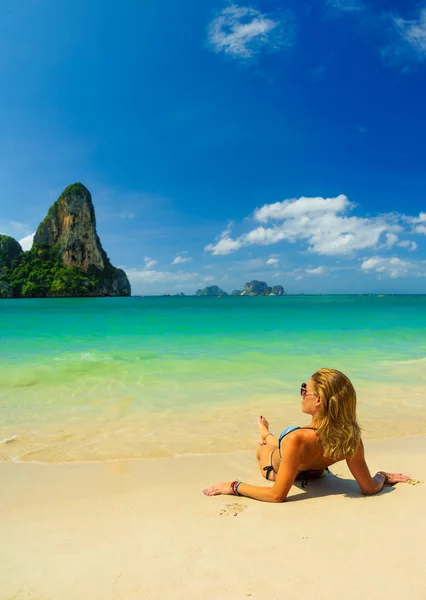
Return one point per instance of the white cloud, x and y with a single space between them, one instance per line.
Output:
272 262
413 34
407 244
126 215
243 32
178 260
317 221
392 267
208 278
420 219
27 242
301 207
419 222
317 271
225 245
391 240
149 263
408 40
152 276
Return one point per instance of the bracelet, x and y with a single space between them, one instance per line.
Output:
265 436
386 476
234 487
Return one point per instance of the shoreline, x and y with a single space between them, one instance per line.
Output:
187 455
141 528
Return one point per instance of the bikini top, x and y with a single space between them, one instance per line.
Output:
288 430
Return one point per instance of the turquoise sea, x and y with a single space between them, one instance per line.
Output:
88 379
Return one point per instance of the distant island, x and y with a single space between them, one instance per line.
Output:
252 288
66 259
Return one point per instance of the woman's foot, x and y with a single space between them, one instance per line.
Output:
263 428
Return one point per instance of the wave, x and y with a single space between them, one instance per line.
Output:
8 440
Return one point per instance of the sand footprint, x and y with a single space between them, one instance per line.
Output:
232 510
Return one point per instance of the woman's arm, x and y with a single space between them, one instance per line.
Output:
371 485
289 467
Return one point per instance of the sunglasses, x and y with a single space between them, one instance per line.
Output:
303 391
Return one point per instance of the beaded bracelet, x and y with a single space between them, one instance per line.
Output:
386 476
234 487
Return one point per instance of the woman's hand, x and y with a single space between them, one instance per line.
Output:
395 478
219 489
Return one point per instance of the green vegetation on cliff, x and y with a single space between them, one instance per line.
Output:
67 258
10 249
40 273
211 290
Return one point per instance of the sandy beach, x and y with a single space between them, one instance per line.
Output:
143 529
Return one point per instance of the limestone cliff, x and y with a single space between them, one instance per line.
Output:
211 290
67 258
261 288
71 226
10 250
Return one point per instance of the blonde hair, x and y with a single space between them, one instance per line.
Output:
338 430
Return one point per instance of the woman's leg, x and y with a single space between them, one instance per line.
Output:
265 436
264 455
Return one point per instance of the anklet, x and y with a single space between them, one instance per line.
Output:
265 436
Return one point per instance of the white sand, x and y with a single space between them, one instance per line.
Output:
142 529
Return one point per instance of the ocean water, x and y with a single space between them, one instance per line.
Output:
112 378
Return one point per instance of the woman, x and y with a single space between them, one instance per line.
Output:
334 435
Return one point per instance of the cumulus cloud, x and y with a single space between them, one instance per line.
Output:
391 267
149 263
272 262
418 224
301 207
407 244
243 32
391 240
319 222
179 259
317 271
225 245
153 276
27 242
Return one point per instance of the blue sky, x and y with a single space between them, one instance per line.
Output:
223 142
